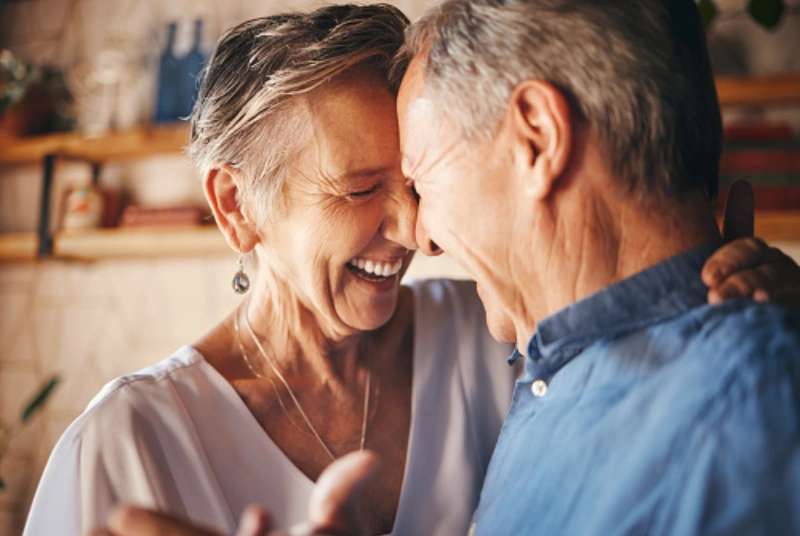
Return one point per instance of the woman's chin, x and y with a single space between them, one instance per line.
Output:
371 303
371 314
375 316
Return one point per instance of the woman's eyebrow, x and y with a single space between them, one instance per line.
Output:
365 172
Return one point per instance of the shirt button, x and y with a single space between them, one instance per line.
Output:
539 388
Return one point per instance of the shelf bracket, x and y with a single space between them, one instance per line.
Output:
45 236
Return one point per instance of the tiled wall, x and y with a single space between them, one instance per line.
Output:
92 322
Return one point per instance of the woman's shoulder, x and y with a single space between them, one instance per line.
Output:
181 365
150 411
450 327
455 297
129 399
118 449
438 286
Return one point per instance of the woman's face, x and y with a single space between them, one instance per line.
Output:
346 235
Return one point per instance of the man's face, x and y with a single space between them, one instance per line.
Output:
466 195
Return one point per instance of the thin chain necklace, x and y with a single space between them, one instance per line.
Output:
271 381
289 389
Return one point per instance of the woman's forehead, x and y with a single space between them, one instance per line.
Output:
353 134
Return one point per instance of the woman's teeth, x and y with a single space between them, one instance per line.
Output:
380 269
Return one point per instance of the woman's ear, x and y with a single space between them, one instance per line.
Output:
221 185
540 118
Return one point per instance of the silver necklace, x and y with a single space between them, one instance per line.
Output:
280 376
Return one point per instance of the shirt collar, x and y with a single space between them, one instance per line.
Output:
662 291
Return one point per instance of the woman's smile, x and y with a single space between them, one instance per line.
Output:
378 275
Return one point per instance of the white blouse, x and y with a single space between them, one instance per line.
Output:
177 437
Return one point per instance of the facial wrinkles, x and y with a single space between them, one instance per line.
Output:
420 160
315 285
292 327
290 322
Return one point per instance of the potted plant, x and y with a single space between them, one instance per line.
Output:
9 431
767 13
30 95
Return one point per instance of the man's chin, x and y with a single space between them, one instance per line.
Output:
501 333
501 327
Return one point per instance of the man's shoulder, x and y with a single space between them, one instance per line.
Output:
738 356
713 361
744 329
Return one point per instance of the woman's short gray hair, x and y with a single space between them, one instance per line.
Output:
637 71
245 115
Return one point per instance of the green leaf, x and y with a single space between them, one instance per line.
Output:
708 11
36 403
767 13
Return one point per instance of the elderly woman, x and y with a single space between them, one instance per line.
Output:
295 135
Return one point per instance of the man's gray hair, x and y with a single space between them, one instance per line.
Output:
246 114
637 71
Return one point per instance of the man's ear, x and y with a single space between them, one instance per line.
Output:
540 118
221 185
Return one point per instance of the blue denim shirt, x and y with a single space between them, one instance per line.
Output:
643 410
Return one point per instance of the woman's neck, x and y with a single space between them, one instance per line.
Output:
303 343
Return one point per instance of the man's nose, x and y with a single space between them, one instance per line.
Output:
424 242
400 224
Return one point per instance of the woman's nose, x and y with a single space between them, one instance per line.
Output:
400 224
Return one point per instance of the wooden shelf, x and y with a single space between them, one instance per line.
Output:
18 246
778 225
759 91
136 143
103 244
139 243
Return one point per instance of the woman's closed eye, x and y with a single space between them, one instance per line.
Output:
363 193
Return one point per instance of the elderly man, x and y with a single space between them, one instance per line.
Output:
587 136
565 152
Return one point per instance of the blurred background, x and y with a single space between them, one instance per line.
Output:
108 259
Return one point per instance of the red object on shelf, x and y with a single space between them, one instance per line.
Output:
758 131
134 216
760 162
769 197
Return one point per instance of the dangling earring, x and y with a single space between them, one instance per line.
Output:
241 283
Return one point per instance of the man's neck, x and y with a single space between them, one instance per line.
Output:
594 241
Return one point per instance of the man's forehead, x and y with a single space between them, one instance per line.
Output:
413 109
412 87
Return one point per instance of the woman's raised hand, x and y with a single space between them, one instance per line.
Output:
336 509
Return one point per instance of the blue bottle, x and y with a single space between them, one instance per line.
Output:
168 81
193 65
